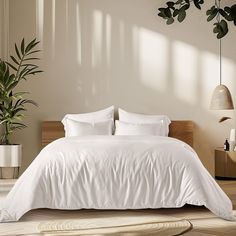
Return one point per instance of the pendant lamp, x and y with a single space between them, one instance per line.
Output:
221 98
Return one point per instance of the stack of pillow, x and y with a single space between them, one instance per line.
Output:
102 123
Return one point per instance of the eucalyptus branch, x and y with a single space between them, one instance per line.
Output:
178 10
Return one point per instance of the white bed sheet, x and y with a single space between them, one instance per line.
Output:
115 172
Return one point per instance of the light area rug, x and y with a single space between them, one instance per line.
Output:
204 223
91 222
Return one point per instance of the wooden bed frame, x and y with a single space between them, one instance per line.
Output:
181 129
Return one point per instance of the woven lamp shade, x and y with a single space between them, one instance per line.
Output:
221 99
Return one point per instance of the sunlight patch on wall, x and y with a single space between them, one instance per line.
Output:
185 74
122 39
153 58
78 35
53 27
210 77
108 38
39 20
228 78
228 74
135 44
97 38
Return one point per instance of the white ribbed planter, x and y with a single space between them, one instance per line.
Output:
10 160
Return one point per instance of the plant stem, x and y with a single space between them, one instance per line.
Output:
6 141
19 66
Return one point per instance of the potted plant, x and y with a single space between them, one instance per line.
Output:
12 104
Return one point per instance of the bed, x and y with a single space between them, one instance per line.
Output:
115 172
179 129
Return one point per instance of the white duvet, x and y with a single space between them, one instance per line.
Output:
115 172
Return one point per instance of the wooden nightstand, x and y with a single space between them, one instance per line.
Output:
225 164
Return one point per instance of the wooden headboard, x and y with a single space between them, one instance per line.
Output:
180 129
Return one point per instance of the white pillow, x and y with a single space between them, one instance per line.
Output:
136 118
92 117
77 128
123 128
105 114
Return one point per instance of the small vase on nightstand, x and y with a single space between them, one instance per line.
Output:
231 146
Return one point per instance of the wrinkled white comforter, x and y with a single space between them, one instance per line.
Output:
115 172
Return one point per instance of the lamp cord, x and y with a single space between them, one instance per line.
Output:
220 46
220 63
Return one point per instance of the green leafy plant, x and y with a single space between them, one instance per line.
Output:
12 104
177 10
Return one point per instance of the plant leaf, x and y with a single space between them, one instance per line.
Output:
18 95
13 67
170 4
12 85
29 46
22 46
184 7
167 12
223 13
170 21
181 16
36 72
175 13
18 123
17 52
31 58
197 5
212 15
14 59
32 52
6 75
227 9
233 11
10 79
28 64
179 2
221 29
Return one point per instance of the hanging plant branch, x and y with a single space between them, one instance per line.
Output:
177 10
228 14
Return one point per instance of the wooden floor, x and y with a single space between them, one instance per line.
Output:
211 225
203 221
229 186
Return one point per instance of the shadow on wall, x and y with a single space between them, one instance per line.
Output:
98 53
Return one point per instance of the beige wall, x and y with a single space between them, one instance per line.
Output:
4 28
102 52
1 28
